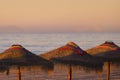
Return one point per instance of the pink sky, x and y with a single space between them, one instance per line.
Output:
59 15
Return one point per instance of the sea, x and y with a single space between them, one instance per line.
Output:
39 43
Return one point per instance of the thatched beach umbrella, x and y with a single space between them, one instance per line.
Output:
71 54
107 51
17 54
65 50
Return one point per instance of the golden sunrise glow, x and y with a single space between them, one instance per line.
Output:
60 15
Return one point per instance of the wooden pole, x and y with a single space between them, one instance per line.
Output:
69 72
108 71
8 71
19 73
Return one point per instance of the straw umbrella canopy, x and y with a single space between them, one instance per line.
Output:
71 53
107 51
62 51
18 55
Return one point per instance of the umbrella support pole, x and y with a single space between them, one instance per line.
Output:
69 72
19 73
108 71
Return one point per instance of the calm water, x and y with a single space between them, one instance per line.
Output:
40 43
